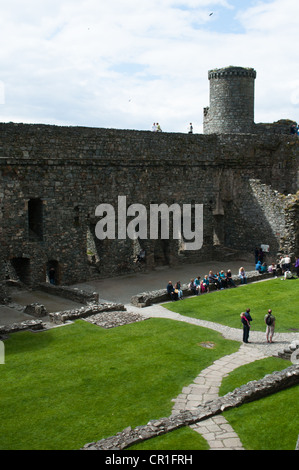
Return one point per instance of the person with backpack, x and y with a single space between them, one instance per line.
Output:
270 322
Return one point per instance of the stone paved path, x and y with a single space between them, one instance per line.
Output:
216 430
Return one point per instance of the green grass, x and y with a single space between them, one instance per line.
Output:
254 371
260 425
270 423
181 439
68 386
225 306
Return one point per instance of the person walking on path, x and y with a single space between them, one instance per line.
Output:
270 322
246 319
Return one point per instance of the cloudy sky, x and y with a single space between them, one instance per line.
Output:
128 63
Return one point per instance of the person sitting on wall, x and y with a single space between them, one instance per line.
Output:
203 287
197 283
171 291
297 266
222 280
192 287
206 283
242 276
258 266
272 269
229 278
263 268
178 289
213 280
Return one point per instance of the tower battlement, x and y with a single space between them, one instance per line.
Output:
232 72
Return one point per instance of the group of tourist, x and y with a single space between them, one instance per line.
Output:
220 280
284 265
157 128
269 320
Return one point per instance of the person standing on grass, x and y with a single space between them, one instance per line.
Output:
270 322
246 319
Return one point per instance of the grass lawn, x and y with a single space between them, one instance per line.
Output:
181 439
267 424
270 423
225 306
68 386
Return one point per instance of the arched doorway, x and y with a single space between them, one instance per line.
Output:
53 272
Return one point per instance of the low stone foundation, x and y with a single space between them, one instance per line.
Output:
145 299
114 319
287 352
84 312
252 391
71 293
35 310
22 326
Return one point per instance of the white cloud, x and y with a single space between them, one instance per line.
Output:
127 64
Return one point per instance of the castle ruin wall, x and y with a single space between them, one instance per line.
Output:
52 179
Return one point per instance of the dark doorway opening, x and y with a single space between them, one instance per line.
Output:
21 269
35 219
53 272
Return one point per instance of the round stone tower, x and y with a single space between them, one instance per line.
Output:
231 108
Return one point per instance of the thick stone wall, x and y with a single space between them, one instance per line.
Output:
52 179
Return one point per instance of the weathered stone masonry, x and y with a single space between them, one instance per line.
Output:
52 179
67 172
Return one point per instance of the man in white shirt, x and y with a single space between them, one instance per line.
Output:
287 263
